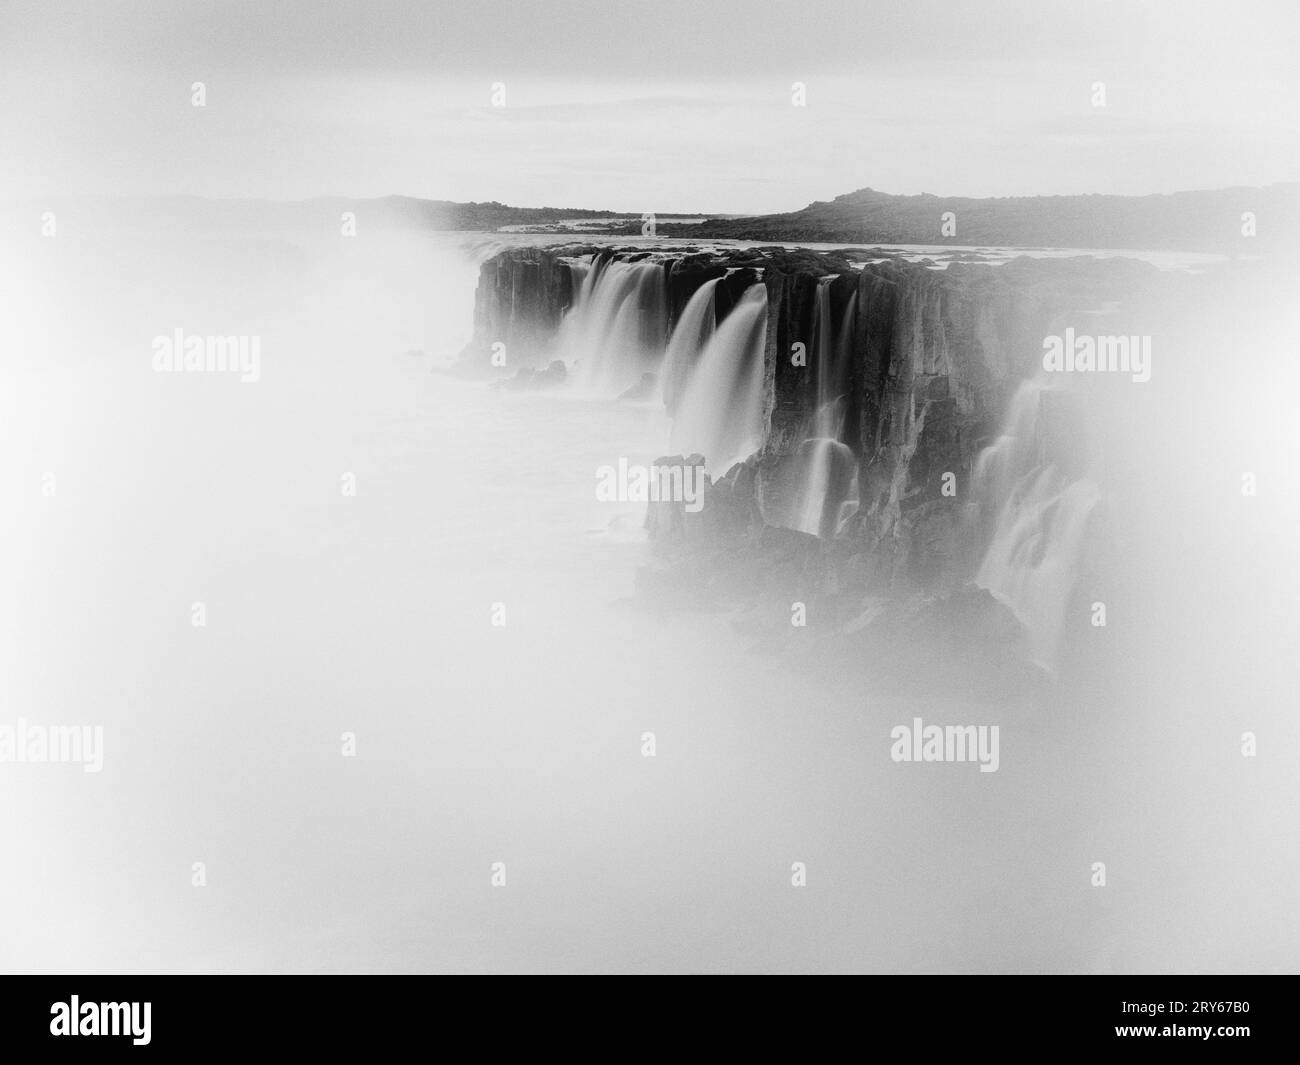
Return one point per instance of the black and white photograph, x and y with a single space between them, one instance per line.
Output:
650 487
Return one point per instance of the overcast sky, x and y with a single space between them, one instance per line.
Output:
644 105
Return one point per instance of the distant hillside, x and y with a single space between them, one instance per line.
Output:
1208 221
193 214
407 211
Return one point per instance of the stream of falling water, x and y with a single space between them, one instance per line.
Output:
721 410
693 331
1032 560
614 332
823 469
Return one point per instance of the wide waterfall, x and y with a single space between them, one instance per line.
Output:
720 414
1033 559
692 333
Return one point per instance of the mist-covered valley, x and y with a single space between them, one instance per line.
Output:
376 662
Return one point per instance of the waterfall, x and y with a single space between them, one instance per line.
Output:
824 421
720 413
689 338
826 473
614 330
1033 557
575 327
584 276
823 470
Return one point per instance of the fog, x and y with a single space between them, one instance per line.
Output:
476 743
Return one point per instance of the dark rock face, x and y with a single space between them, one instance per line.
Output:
791 300
934 357
730 289
941 355
687 274
521 297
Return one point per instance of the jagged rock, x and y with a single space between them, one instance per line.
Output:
963 640
528 379
666 519
642 390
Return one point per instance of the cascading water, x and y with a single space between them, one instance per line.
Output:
1033 557
576 324
584 276
693 331
615 329
720 413
826 473
824 470
828 410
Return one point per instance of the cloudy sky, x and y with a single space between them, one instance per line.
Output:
638 105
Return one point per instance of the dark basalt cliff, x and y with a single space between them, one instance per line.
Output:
934 357
521 297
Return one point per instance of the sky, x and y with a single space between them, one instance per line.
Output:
644 105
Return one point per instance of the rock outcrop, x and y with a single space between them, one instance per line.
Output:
521 298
